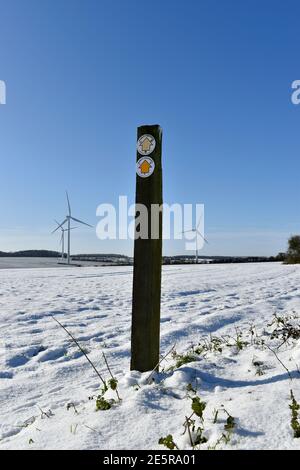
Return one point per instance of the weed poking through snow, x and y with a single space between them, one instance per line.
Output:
295 424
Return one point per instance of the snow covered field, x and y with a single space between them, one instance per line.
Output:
43 374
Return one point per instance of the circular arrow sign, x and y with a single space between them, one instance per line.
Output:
145 167
146 144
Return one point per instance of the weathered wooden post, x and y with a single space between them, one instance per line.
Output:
145 333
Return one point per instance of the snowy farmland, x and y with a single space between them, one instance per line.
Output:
217 318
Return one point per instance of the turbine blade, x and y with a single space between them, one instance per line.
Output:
80 221
59 226
200 221
69 205
203 238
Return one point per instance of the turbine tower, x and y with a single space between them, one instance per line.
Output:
68 219
62 239
197 231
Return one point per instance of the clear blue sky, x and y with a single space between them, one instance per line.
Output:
82 75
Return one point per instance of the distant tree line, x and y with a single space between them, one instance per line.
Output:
30 254
290 257
189 259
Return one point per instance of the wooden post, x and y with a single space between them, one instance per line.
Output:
145 333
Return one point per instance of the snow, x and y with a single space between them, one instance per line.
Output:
42 370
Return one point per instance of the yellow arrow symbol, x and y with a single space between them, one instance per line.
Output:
146 145
145 167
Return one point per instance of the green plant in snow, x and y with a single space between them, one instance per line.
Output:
295 407
184 359
195 434
238 341
225 437
198 407
216 413
102 404
228 426
199 439
190 388
113 384
259 367
104 389
213 344
230 423
72 405
286 328
168 442
73 428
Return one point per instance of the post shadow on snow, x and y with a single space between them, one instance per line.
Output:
214 381
151 399
179 334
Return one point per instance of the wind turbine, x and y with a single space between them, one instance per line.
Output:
68 219
62 239
197 231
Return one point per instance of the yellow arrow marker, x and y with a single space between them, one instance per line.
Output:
145 167
146 145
